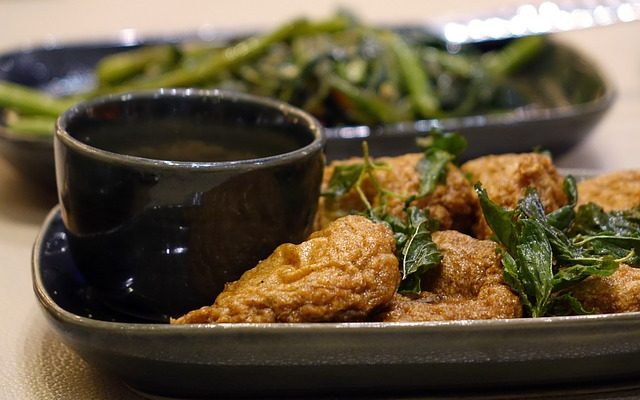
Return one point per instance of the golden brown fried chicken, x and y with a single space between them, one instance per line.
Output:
341 273
619 292
614 191
452 204
506 178
467 285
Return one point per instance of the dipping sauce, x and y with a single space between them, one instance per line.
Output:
167 140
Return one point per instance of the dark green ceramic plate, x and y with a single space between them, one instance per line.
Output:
559 355
575 92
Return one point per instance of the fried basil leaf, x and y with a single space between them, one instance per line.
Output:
568 276
566 304
418 252
564 249
616 233
535 265
591 219
528 257
432 169
344 178
500 220
564 216
451 142
512 278
541 262
439 150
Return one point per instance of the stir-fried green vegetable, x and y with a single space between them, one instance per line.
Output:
29 102
340 70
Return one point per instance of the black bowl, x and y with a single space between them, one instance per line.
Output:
586 96
168 195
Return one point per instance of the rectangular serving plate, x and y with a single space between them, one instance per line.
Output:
189 361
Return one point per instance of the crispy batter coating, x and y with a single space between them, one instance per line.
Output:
453 204
506 178
341 273
614 191
467 285
619 292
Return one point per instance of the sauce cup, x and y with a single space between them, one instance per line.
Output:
167 195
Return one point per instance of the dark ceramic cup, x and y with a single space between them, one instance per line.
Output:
168 195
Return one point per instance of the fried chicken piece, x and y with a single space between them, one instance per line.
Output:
453 204
341 273
619 292
467 285
506 178
614 191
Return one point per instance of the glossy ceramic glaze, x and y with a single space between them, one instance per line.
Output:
159 237
500 359
69 69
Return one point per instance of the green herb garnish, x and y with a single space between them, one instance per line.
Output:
419 253
616 233
351 176
415 249
545 256
439 150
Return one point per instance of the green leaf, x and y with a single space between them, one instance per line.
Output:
410 285
415 217
545 256
511 276
499 219
432 170
564 216
568 276
397 226
564 250
535 265
623 248
343 179
528 259
439 150
451 142
591 219
418 252
616 233
531 206
566 304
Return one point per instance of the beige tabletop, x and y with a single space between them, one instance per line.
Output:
34 364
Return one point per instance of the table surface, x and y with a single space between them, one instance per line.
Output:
34 363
